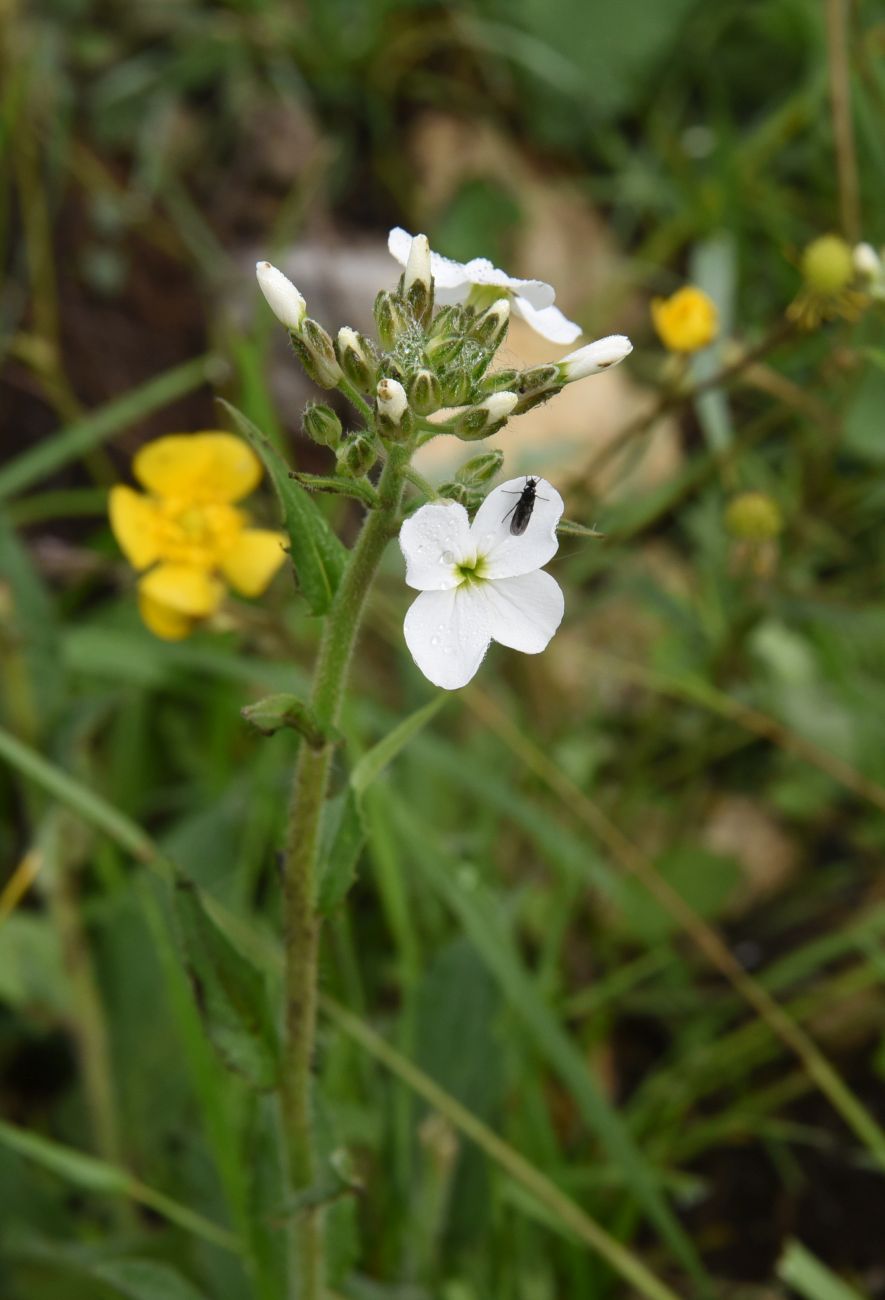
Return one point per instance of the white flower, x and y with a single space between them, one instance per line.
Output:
595 357
283 298
462 281
480 582
867 262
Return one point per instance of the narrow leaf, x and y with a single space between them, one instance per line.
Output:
274 712
344 835
805 1273
318 555
373 763
229 991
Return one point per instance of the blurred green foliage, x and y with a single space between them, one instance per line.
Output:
723 704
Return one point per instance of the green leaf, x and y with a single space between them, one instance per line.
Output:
568 528
274 712
805 1273
229 991
343 837
145 1279
373 763
318 555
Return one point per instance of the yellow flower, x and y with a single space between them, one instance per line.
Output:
685 322
186 531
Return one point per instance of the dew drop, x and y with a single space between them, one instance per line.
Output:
434 640
447 558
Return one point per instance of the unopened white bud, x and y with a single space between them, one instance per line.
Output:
867 262
484 418
392 400
499 405
418 265
283 298
595 357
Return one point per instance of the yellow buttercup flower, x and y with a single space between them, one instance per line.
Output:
186 531
687 321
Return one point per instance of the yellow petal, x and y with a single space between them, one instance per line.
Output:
200 466
134 523
183 588
251 563
164 621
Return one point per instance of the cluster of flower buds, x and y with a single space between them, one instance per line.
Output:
432 372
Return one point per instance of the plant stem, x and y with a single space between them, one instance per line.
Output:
301 919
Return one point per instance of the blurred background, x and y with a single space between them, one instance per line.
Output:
710 716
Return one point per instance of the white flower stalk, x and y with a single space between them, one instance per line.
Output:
478 282
595 357
283 298
480 582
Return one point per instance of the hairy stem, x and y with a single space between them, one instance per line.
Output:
302 921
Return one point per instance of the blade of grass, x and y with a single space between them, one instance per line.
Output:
624 851
71 442
805 1273
463 894
99 1176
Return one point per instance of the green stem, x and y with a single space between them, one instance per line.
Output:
302 921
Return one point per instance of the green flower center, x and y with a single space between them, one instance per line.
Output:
472 570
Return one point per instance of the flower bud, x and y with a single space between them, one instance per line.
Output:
392 317
283 298
446 349
425 392
537 385
448 322
489 328
753 517
321 424
498 380
479 469
394 417
827 265
357 358
418 280
595 357
459 492
317 354
356 456
479 421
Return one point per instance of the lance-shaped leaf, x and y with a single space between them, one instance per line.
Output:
318 555
343 837
229 991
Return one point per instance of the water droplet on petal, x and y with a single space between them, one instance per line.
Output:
447 558
434 640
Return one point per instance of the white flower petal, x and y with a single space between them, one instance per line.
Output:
507 556
479 270
433 540
524 612
549 322
447 634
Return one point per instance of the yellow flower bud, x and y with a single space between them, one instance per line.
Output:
687 321
828 265
753 517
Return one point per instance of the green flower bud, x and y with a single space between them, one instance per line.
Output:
392 317
485 418
490 328
446 350
537 385
316 353
457 387
425 392
356 455
455 492
753 517
321 424
479 469
358 358
498 381
827 265
449 322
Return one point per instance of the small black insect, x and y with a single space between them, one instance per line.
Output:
522 511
